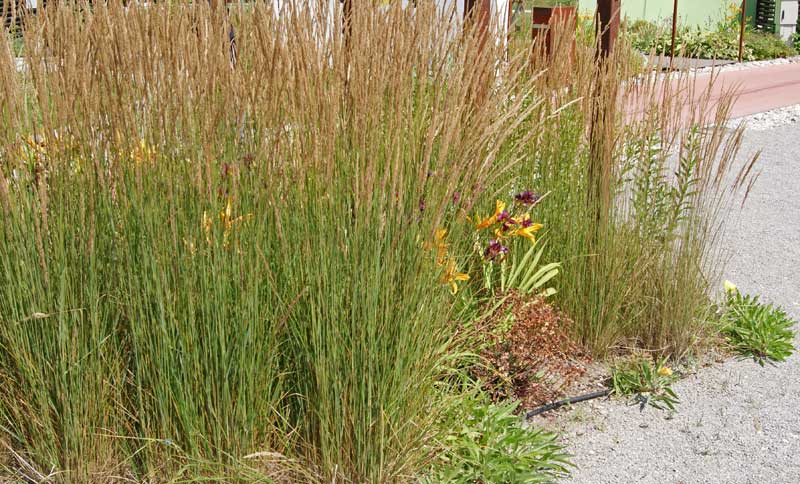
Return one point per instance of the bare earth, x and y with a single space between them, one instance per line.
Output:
738 422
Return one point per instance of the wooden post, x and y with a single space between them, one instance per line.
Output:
608 25
484 19
601 133
741 30
477 16
478 12
508 28
223 5
347 39
347 22
674 34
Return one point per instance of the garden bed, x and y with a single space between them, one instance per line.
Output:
283 265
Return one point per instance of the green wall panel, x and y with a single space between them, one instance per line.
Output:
690 12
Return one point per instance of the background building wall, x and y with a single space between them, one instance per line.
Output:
690 12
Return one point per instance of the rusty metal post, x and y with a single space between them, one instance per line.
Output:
608 25
477 18
741 30
347 22
601 132
478 13
674 34
509 14
347 39
484 19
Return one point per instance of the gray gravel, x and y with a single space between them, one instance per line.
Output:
770 120
751 65
708 67
738 422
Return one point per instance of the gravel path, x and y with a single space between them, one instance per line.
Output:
770 120
738 423
749 65
725 66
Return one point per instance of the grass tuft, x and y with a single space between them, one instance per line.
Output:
757 330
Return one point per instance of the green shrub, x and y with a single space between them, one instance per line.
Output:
768 46
757 330
709 44
649 383
488 443
643 34
696 42
720 41
796 36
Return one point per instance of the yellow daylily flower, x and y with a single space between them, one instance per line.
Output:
228 223
33 148
665 371
489 221
143 153
730 288
522 219
226 215
441 246
451 276
527 232
190 247
208 223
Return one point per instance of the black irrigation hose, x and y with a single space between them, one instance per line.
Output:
568 401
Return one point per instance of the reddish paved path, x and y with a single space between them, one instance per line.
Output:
759 89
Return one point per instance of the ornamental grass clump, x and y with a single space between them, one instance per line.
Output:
640 169
212 255
211 266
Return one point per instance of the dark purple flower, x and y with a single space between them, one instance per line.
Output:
527 223
495 249
456 198
248 160
504 218
527 198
